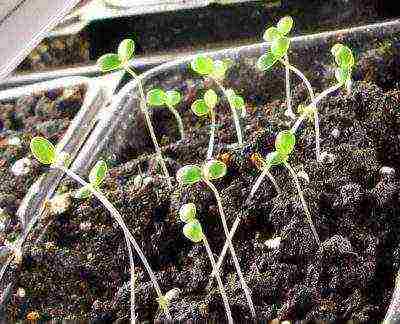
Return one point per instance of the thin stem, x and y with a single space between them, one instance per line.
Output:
231 249
220 285
132 271
149 124
234 114
316 101
118 217
235 225
303 202
212 135
289 109
178 120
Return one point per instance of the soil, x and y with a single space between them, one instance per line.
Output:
79 268
48 114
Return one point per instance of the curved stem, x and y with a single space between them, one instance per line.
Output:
234 114
231 249
118 217
393 312
149 124
212 136
235 225
303 202
178 120
219 281
289 109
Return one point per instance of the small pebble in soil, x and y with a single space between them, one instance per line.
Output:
327 158
14 141
85 226
60 203
335 133
387 172
273 243
21 167
21 292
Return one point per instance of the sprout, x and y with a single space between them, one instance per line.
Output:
345 60
216 70
284 143
187 212
110 62
211 170
158 97
46 153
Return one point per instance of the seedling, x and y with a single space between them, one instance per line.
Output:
284 146
213 170
194 232
280 44
46 153
216 70
277 37
120 61
159 97
203 107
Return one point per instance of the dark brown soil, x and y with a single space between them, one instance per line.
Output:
45 114
80 269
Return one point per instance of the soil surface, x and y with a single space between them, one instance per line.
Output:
47 114
79 268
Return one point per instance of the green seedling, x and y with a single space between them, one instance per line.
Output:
46 153
159 97
284 146
96 177
120 61
216 70
194 232
213 170
204 107
279 46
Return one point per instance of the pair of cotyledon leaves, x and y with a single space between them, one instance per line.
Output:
192 228
45 152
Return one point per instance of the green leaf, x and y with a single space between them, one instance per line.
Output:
266 61
126 49
285 25
280 46
200 108
173 97
238 102
193 231
187 213
220 68
210 98
273 158
343 56
109 62
156 97
271 34
98 173
189 174
214 169
203 65
43 150
83 193
284 143
343 75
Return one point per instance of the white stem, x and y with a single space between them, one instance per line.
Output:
289 109
178 120
132 271
235 225
219 281
212 136
231 249
234 114
118 217
303 202
145 111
